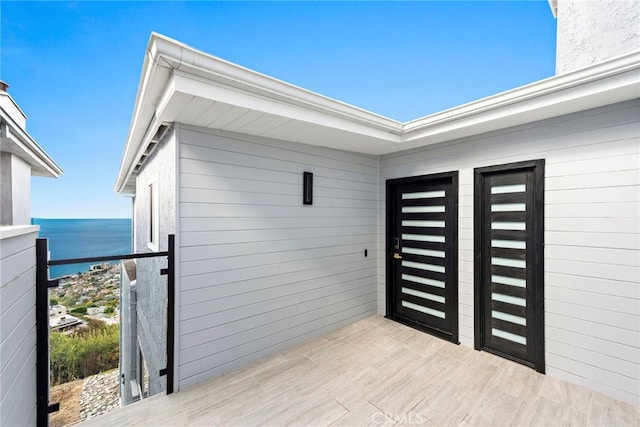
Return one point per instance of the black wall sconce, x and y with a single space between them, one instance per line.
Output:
307 188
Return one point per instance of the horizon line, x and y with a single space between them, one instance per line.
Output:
39 217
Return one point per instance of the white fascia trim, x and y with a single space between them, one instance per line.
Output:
167 57
551 85
194 86
193 62
17 141
607 82
154 77
171 67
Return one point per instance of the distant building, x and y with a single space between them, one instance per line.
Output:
60 321
99 268
20 159
57 310
64 323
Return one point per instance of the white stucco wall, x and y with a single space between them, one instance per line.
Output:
592 31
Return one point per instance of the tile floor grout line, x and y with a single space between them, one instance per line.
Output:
451 382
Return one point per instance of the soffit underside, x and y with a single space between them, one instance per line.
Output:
235 101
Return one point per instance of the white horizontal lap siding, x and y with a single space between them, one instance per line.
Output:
18 330
259 271
592 236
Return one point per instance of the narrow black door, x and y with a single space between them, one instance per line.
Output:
509 271
422 253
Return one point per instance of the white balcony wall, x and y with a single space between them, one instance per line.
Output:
592 235
18 325
258 271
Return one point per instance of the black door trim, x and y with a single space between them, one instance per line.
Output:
537 166
389 265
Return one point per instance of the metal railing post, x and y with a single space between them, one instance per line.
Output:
42 332
171 267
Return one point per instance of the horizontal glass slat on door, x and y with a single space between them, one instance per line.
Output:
423 195
509 244
508 225
509 299
509 336
409 223
423 238
422 209
422 309
509 317
509 207
507 262
425 252
515 188
503 280
512 328
423 266
425 295
423 280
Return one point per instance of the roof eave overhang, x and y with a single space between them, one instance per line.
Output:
603 84
15 140
173 73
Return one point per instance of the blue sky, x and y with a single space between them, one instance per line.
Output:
74 67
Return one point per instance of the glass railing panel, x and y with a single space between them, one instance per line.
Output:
108 336
143 328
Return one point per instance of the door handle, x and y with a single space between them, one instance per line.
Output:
397 255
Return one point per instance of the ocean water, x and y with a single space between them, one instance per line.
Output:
80 238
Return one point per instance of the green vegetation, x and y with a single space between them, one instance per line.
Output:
88 351
79 310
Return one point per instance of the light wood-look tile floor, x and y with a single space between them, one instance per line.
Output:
377 372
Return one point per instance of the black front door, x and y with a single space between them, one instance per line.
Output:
509 253
422 253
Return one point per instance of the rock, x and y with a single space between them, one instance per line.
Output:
99 395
